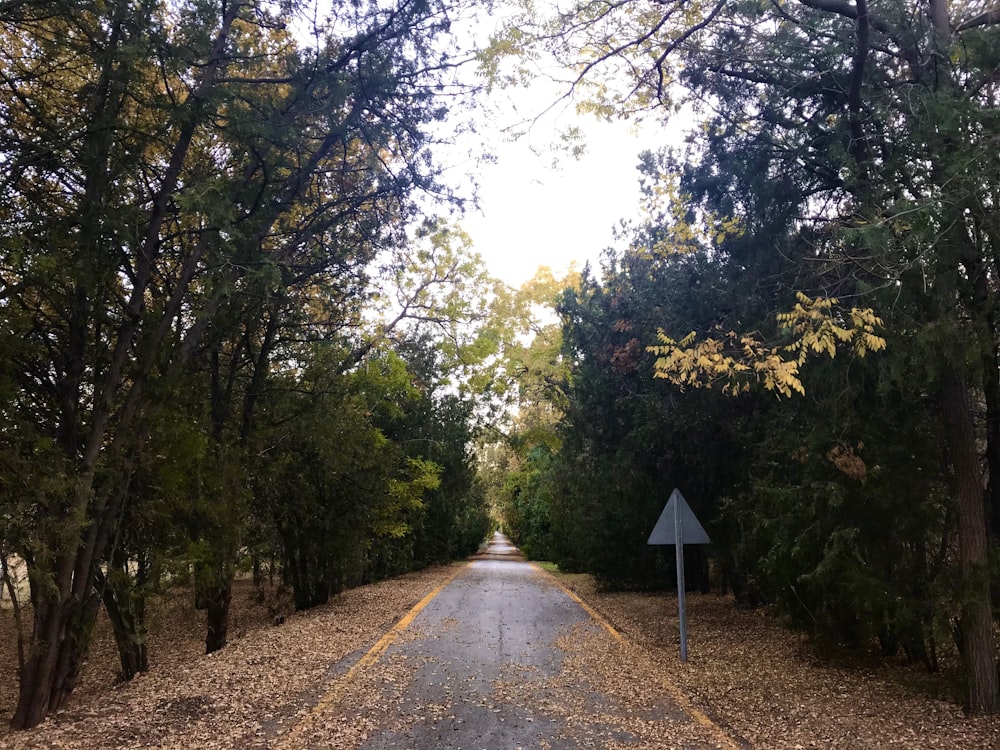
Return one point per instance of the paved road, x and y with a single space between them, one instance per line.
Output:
504 658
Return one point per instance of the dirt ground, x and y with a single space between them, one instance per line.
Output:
766 687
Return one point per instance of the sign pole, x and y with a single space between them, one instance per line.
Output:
681 604
676 524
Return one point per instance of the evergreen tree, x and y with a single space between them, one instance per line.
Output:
178 177
867 129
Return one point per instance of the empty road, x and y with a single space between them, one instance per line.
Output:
502 657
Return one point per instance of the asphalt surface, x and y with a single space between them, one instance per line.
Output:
483 658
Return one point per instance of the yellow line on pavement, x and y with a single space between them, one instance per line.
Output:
336 693
595 615
725 741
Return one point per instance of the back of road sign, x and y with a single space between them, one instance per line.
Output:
692 531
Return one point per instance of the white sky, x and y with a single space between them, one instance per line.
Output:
531 213
534 213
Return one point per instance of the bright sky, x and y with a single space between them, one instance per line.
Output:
536 214
533 213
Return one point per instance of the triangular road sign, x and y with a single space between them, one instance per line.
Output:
665 533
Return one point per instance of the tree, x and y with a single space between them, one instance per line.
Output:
625 434
440 426
163 162
363 439
872 123
331 483
514 465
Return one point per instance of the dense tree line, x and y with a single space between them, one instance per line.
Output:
224 345
199 210
840 151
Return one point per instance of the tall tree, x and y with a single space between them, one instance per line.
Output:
873 122
163 159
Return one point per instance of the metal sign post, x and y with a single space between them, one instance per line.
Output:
681 595
677 524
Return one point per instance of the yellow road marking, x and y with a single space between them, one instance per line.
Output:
675 692
336 693
595 615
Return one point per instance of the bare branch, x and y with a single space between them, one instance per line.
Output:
989 17
691 31
840 7
847 10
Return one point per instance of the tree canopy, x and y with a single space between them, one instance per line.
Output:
834 150
193 202
235 337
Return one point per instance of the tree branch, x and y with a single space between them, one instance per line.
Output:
840 7
859 145
989 17
847 10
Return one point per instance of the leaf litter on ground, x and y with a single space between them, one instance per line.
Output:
762 685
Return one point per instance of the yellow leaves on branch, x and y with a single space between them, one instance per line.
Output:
735 362
817 328
728 361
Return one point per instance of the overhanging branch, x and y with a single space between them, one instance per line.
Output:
989 17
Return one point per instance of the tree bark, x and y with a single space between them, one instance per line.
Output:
991 391
61 619
217 630
978 652
127 617
49 675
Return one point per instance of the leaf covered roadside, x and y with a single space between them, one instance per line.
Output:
773 688
243 696
761 683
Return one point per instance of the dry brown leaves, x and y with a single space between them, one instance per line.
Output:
760 683
246 695
606 686
771 689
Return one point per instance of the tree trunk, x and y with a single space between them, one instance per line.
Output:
60 639
991 390
978 652
258 570
218 615
35 690
126 612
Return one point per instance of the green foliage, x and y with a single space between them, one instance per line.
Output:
854 158
625 441
192 198
847 536
835 512
528 505
364 474
517 471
